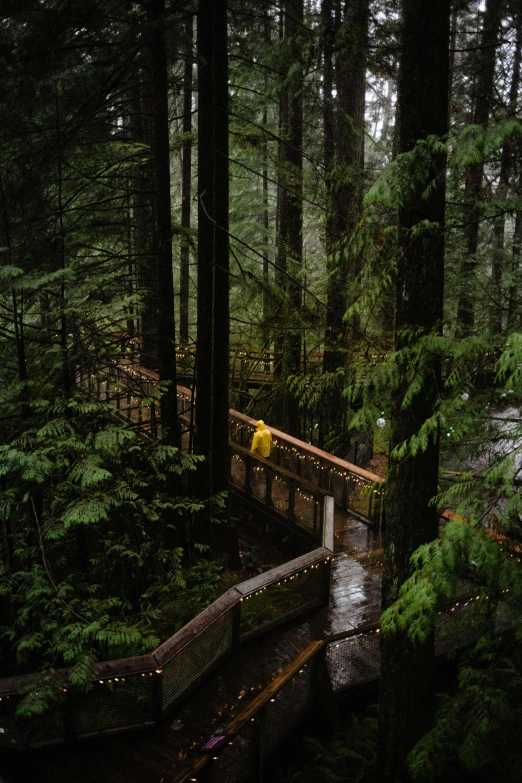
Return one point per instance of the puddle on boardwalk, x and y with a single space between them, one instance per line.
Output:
354 536
355 591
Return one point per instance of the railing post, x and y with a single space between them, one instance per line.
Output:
259 739
291 500
325 587
158 698
345 492
236 625
268 493
248 468
328 509
69 717
322 691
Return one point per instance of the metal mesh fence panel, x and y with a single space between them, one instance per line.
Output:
240 432
311 470
258 482
43 728
287 707
281 495
336 486
353 660
288 457
40 729
238 471
196 658
456 628
236 762
276 601
305 511
7 721
358 495
126 702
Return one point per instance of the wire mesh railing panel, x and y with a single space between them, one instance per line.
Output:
312 470
287 706
335 485
456 627
116 702
258 479
184 401
238 471
281 495
353 660
274 602
241 432
196 658
307 510
43 729
8 722
237 761
288 456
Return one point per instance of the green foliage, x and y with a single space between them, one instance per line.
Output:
87 515
400 181
478 728
349 757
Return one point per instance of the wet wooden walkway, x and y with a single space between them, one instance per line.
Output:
157 756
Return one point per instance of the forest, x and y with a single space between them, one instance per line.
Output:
326 195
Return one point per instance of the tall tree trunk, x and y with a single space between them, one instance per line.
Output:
499 228
290 229
186 186
345 171
18 320
406 684
162 221
143 237
278 414
211 437
514 308
483 92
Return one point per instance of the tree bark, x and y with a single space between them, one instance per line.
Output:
211 436
345 174
143 237
514 308
483 93
186 187
499 227
290 239
170 431
406 685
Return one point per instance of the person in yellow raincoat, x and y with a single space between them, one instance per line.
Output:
262 441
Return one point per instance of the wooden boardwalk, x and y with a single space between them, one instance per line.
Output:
159 755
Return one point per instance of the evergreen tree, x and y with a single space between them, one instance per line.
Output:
406 684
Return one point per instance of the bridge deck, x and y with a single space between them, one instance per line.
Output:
157 756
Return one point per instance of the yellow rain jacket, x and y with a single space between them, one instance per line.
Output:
262 441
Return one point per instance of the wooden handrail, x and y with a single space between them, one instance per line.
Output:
155 660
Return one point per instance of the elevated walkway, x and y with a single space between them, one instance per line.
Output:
255 660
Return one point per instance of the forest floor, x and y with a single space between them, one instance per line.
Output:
378 465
